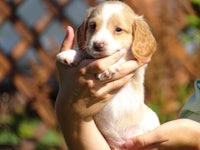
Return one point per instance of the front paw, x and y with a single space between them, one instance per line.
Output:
109 73
69 57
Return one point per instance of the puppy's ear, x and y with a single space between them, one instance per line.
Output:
144 43
81 31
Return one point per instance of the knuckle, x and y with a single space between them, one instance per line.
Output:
138 142
90 84
96 94
100 67
82 71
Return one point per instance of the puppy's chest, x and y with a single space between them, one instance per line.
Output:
127 102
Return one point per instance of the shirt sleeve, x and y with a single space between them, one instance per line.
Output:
191 109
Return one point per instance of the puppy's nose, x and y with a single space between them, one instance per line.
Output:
98 46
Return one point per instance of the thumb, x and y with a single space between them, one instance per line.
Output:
146 140
68 40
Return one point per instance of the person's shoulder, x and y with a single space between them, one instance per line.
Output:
191 109
197 86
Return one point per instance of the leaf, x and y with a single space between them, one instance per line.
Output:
196 1
27 128
7 137
51 139
193 20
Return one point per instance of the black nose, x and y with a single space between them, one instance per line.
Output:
98 46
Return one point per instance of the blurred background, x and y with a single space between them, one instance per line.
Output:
31 32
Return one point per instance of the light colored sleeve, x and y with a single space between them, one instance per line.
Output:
191 109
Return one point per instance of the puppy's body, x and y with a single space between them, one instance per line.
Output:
113 26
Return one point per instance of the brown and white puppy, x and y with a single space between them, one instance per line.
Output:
109 27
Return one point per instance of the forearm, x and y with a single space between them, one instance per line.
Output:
196 137
85 136
178 134
79 134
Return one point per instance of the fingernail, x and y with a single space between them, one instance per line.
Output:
128 144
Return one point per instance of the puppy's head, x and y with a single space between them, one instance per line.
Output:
113 26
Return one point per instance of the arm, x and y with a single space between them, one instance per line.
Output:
79 134
77 130
179 134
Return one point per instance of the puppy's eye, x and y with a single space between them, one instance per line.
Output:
118 29
92 26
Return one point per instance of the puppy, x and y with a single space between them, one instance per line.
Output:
109 27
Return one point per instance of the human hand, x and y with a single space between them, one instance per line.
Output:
81 91
180 134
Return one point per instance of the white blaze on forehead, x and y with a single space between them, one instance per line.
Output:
109 10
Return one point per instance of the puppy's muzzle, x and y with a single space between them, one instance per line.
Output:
98 46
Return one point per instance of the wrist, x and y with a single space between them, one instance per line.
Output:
79 132
192 129
83 135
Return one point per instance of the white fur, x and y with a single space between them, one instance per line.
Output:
104 35
126 115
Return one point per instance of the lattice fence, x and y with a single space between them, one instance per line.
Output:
30 35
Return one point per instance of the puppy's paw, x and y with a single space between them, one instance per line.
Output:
69 57
109 73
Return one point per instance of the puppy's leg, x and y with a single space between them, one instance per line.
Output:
150 119
70 57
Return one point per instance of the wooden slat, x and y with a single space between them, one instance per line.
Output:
5 66
5 11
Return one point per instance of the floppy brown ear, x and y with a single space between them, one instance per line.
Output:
81 31
144 43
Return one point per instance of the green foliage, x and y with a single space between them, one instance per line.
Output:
28 127
8 137
18 127
193 20
190 37
195 1
159 104
184 93
50 139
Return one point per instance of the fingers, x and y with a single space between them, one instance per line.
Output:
100 89
147 140
96 67
114 86
127 68
101 65
68 40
